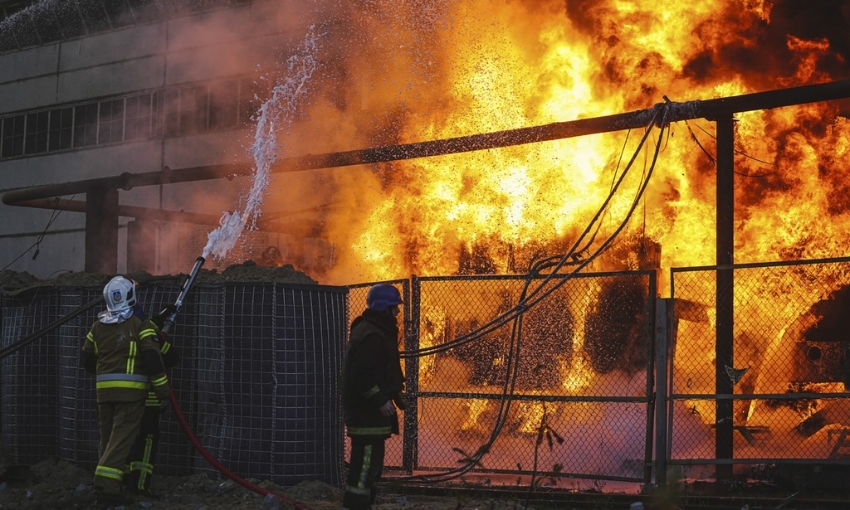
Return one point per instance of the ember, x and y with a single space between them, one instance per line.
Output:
533 63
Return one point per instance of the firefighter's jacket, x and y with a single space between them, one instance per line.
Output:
125 360
371 375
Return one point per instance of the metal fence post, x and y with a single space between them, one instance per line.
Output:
661 402
724 302
410 442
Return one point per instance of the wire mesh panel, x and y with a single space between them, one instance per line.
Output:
788 370
257 379
269 358
29 396
560 391
78 433
309 339
245 378
209 356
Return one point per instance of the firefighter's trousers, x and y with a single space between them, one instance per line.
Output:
143 453
119 425
364 470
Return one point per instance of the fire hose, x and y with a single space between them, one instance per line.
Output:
178 304
218 465
169 321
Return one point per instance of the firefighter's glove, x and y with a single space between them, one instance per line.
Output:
399 400
160 318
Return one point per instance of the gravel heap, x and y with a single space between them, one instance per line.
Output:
247 272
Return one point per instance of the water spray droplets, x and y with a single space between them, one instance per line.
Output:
275 114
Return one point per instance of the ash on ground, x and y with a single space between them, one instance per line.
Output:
59 485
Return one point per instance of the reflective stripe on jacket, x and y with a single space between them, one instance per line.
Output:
119 351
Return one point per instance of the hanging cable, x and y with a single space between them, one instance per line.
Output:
12 349
37 243
659 118
526 301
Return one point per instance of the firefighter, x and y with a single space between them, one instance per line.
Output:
120 352
143 453
372 388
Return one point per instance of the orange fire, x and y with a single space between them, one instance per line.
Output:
460 68
423 71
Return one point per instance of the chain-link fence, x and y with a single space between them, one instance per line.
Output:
560 386
759 363
515 378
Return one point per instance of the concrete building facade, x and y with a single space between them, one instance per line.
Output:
92 90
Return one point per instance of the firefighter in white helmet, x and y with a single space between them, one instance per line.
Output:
126 361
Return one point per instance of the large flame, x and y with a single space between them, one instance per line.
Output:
427 70
404 72
431 70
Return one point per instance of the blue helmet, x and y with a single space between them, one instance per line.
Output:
382 296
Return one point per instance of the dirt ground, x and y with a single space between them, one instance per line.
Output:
59 485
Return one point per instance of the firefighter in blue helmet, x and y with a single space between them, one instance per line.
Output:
127 364
372 388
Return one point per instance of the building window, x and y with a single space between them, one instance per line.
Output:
250 92
111 124
224 103
13 136
85 125
137 117
193 110
61 124
172 112
36 133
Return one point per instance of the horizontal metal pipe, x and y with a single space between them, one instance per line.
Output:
126 181
708 109
147 213
129 211
560 130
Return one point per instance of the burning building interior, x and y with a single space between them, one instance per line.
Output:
662 287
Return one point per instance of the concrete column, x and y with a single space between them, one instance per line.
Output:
101 231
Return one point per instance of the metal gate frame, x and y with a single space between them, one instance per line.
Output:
412 295
667 375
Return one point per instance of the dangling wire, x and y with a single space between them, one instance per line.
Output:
527 299
53 215
556 263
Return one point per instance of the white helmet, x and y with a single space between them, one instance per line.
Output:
120 295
